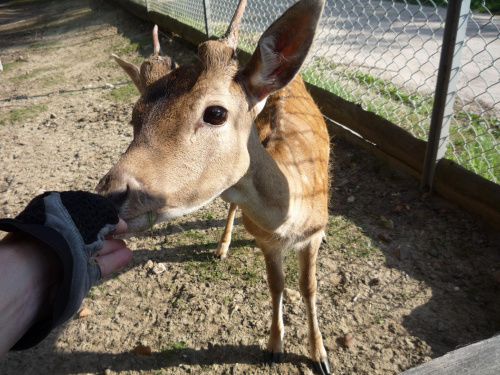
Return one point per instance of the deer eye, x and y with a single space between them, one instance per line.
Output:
215 115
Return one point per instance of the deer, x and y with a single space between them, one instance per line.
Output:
251 135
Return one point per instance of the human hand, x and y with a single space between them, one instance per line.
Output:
115 253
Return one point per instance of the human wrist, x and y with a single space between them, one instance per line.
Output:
31 273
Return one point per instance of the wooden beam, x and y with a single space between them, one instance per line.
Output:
387 136
482 358
469 190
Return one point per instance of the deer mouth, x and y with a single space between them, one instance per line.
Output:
141 222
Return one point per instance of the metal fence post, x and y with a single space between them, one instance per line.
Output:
208 18
449 66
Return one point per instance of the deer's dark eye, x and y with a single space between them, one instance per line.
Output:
215 115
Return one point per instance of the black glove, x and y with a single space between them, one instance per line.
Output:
73 224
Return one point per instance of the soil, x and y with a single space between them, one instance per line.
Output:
409 276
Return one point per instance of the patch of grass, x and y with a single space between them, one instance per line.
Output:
90 293
208 215
173 349
124 93
492 6
474 138
291 269
32 74
378 318
22 114
7 67
211 270
44 44
350 240
193 235
475 144
122 48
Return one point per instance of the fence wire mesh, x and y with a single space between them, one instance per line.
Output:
385 55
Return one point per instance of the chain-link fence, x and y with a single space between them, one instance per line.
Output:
385 56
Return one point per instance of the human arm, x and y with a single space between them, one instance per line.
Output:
38 289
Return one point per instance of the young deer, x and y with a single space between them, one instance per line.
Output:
253 136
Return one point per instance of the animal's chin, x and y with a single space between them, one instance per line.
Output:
144 221
138 223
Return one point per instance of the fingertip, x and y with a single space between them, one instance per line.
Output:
121 227
115 260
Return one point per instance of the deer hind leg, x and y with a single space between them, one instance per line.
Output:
307 264
225 240
276 282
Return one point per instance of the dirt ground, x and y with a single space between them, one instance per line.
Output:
410 277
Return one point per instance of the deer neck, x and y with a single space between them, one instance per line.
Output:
263 192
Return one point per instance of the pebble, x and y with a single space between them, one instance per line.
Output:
434 252
388 223
291 296
149 264
384 237
159 268
351 199
349 340
404 252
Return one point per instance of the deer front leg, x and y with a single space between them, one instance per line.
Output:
307 263
276 281
225 240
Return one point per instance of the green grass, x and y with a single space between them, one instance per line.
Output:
123 47
474 138
476 5
124 93
173 349
475 143
22 114
350 240
32 74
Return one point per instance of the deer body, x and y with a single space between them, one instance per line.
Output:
252 136
284 198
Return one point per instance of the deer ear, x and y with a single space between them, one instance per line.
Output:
133 71
282 49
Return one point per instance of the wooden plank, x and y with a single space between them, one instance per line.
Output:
482 358
339 131
469 190
387 136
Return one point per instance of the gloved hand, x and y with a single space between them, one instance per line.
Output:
73 224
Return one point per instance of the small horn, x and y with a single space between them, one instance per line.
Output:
156 42
231 37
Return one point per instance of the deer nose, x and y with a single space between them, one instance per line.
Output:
119 197
116 188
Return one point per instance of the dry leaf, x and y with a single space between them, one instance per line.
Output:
85 311
142 350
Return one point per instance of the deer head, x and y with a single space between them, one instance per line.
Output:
194 133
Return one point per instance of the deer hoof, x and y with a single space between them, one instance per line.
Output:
272 358
323 367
